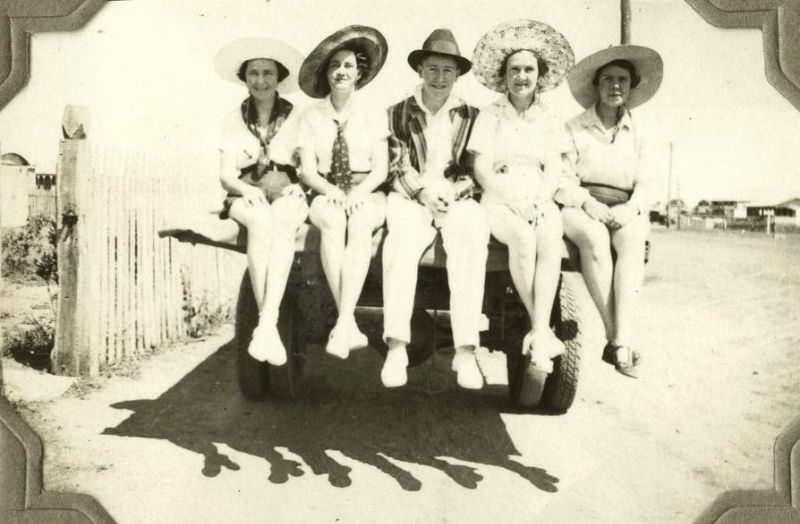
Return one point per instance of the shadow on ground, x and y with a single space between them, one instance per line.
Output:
343 407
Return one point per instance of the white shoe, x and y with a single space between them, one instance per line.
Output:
338 344
394 373
266 345
358 340
543 349
468 374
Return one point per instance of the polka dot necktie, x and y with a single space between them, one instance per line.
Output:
340 159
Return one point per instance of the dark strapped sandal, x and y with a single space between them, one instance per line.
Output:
628 366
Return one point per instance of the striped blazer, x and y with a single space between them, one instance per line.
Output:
407 147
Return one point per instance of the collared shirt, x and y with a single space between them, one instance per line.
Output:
619 157
526 145
409 151
236 139
365 127
438 134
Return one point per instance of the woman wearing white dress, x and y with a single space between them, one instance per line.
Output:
518 145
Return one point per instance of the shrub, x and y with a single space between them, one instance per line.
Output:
30 251
31 342
203 318
199 313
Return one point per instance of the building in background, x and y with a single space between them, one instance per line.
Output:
785 213
730 209
23 192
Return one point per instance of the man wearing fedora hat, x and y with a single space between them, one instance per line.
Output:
431 175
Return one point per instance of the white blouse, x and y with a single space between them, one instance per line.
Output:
521 145
619 157
236 139
365 127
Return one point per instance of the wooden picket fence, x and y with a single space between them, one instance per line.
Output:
123 289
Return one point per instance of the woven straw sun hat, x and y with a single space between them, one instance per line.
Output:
647 62
517 35
230 58
312 79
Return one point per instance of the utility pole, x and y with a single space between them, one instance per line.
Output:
625 21
669 185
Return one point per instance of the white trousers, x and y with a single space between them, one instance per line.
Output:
411 229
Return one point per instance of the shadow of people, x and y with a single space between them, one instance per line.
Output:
343 407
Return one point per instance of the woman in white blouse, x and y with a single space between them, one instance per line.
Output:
263 194
606 206
344 157
518 146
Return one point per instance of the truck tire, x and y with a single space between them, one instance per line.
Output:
562 384
530 388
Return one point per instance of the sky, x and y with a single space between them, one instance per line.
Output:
145 70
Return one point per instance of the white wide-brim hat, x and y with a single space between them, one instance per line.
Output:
517 35
647 62
230 58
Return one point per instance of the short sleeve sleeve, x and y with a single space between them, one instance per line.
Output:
559 140
285 142
228 131
482 139
304 130
380 124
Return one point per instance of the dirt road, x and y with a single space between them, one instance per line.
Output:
720 331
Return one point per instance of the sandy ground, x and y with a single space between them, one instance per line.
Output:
720 330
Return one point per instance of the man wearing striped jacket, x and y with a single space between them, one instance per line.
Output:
431 176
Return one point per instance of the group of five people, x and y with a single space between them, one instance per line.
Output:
433 163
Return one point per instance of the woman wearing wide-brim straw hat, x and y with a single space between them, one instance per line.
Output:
518 145
606 205
344 159
263 191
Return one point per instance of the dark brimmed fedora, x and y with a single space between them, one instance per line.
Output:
440 42
367 39
647 62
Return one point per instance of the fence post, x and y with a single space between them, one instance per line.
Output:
71 354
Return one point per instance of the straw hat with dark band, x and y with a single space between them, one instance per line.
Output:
231 57
439 42
312 80
647 62
517 35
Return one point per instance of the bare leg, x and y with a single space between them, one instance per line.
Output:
548 268
592 239
332 224
520 238
358 253
629 242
